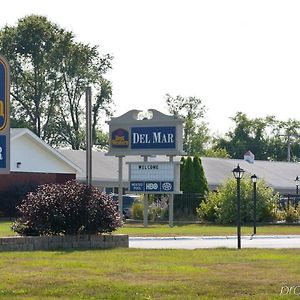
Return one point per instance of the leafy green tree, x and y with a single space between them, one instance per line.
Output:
49 74
191 109
34 83
216 152
266 137
221 207
247 135
199 139
80 67
101 139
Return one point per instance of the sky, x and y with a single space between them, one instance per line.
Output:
235 55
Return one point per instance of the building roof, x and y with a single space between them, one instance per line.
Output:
26 139
278 175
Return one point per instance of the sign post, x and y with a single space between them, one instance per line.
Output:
157 134
4 117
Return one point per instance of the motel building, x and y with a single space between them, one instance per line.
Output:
32 160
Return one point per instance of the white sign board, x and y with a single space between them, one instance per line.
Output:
154 177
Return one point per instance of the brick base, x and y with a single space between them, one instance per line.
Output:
27 243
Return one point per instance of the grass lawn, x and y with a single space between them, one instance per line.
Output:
207 230
153 274
149 274
137 229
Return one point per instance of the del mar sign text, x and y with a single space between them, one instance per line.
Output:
153 137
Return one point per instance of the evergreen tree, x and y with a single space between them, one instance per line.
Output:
200 182
188 176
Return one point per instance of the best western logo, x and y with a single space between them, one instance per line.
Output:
120 138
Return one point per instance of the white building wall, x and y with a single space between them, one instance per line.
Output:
34 158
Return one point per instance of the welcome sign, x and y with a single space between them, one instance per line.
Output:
4 117
154 177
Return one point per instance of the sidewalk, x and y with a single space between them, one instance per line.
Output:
193 242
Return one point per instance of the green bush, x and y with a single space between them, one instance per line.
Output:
137 210
157 210
292 214
221 206
70 208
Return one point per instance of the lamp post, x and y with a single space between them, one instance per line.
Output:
297 189
238 174
254 180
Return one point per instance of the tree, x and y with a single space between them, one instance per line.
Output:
191 109
28 48
247 135
188 183
80 67
216 152
200 181
49 74
193 183
266 137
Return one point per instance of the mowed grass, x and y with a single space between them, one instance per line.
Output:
149 274
205 230
137 229
152 274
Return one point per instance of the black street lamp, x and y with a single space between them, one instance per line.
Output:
238 175
297 185
254 180
297 190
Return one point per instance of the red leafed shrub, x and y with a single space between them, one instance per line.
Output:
70 208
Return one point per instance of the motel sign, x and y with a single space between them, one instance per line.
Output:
4 117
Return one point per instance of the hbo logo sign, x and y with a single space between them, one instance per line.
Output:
151 186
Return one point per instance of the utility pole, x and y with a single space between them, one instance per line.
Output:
88 96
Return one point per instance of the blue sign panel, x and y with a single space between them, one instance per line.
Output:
153 137
152 186
3 94
2 151
167 186
120 138
137 186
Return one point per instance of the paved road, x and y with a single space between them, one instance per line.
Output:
260 241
